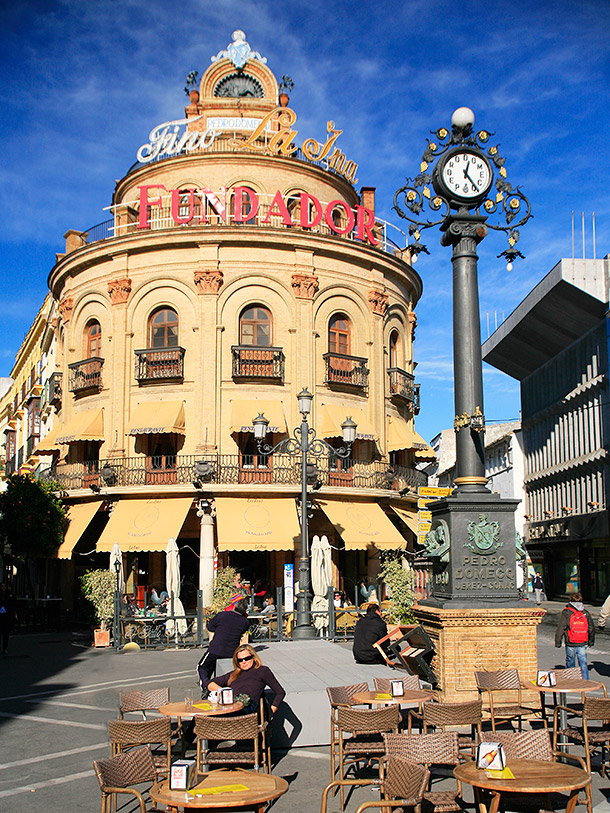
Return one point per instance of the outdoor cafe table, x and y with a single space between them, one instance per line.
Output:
223 789
562 688
532 776
410 697
181 709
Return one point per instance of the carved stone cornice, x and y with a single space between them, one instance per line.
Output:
208 281
119 290
484 617
65 309
305 285
378 301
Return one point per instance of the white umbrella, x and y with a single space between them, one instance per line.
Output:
321 579
172 585
116 555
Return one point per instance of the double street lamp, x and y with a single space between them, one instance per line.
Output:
305 443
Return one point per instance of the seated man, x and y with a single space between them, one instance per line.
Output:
370 628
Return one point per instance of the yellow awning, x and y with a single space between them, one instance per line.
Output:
401 435
144 525
87 425
243 412
333 416
159 417
80 516
257 523
362 524
49 444
407 516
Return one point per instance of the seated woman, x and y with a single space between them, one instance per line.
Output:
250 677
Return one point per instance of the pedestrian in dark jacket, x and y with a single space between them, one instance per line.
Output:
576 628
538 586
370 628
8 615
228 627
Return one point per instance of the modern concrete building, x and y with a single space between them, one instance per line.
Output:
556 344
236 268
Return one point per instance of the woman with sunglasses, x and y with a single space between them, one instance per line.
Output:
250 677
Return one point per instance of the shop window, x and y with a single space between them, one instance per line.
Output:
93 340
163 329
255 327
161 460
253 467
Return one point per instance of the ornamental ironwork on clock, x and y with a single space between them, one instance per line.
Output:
238 85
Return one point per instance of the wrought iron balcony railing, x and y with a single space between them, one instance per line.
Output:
258 362
159 364
402 384
214 469
85 375
350 370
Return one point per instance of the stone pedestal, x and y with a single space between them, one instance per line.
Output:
479 640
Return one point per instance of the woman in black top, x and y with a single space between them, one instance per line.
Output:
250 677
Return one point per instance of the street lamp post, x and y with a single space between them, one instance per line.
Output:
472 538
117 605
304 443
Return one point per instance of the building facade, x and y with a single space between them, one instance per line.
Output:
556 344
236 269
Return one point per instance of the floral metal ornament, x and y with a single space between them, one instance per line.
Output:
483 536
418 195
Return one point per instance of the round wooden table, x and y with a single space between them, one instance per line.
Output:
531 776
410 696
180 710
259 789
562 688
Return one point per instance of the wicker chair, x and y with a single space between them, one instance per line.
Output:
536 745
231 741
574 673
365 743
591 737
403 787
142 701
117 774
384 684
427 750
125 734
340 696
442 715
507 681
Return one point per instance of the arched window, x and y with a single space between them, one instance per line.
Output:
339 334
93 340
394 360
255 326
163 329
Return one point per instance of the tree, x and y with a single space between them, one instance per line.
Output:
401 584
32 517
224 588
98 587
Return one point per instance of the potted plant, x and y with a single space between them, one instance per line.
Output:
286 87
98 588
191 86
400 582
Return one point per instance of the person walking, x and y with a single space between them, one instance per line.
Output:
538 586
603 614
8 614
369 629
576 627
228 627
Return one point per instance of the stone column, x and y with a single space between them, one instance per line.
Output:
206 556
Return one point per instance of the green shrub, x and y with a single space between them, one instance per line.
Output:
98 587
224 588
400 582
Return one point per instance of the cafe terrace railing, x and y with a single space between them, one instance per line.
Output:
214 469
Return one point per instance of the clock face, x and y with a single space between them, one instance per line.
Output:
466 175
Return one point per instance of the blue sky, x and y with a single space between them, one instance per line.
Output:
83 83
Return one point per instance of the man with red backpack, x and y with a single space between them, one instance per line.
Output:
576 626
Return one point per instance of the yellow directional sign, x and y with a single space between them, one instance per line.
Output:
424 527
424 515
433 491
421 539
423 503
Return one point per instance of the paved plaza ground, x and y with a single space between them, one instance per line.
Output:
56 694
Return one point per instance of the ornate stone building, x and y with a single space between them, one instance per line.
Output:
237 268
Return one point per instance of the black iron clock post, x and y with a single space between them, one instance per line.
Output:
472 538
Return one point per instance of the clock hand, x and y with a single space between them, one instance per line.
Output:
466 175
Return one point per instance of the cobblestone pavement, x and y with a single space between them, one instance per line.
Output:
56 694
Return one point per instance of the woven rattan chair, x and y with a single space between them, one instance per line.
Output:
366 727
594 709
340 696
142 701
231 741
125 734
117 774
384 684
536 745
508 683
429 750
403 787
444 716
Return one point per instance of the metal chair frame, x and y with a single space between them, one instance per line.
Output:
127 734
115 775
226 729
507 680
593 708
340 696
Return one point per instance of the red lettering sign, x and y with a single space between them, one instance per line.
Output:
145 204
239 215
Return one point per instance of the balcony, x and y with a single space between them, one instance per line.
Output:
346 370
160 364
258 362
85 375
221 470
402 385
51 392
